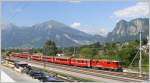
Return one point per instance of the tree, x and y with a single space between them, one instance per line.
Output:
50 48
96 45
144 41
8 53
125 54
88 53
35 50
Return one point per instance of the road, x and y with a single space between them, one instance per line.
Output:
14 76
5 77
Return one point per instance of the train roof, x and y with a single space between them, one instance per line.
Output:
46 56
108 60
80 59
62 57
37 55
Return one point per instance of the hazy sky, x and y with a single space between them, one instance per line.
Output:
93 17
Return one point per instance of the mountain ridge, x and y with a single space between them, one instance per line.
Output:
66 36
36 35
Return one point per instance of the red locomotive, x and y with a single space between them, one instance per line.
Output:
106 64
94 63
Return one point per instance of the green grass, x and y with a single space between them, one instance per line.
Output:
145 68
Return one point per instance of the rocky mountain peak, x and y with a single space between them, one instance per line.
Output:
128 30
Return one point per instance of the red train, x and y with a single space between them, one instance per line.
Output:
94 63
22 55
81 62
47 58
62 60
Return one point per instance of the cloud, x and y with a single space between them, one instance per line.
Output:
75 25
18 10
74 1
103 31
96 31
138 10
89 29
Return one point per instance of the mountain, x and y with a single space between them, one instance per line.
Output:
66 36
36 35
129 30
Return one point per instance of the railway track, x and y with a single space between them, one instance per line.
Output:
58 76
121 76
91 73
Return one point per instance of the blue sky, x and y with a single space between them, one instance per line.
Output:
92 17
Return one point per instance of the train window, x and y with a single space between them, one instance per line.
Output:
79 61
113 62
116 63
82 61
108 62
97 62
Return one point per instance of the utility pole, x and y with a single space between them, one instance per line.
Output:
44 63
140 60
63 51
140 50
74 50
